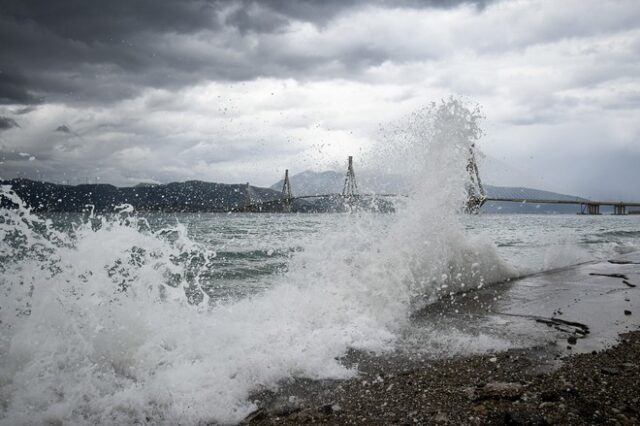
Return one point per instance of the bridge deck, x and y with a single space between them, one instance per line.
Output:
575 202
347 196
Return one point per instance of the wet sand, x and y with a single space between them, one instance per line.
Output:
575 359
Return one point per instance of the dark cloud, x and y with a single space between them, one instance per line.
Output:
7 123
14 87
111 21
321 12
256 18
103 51
76 49
63 129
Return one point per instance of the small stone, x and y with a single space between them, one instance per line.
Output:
501 390
255 416
627 312
572 340
304 416
470 393
326 409
284 407
441 417
494 359
549 396
623 418
524 417
610 371
480 409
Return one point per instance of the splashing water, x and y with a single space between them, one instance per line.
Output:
110 322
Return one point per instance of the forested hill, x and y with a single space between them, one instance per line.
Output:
190 196
198 196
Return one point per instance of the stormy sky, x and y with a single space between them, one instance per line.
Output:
128 91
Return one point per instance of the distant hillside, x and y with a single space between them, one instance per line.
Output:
520 192
331 182
190 196
313 183
310 183
529 193
198 196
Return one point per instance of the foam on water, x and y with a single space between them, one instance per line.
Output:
109 323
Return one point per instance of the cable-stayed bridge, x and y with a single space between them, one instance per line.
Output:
350 198
590 207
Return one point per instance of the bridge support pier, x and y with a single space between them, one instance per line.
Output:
591 209
619 209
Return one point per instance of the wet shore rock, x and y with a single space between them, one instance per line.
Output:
508 388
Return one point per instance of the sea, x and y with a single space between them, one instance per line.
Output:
147 318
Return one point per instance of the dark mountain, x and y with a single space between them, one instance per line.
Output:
198 196
529 207
190 196
529 193
314 183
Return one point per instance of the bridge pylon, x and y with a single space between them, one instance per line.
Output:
476 194
287 197
350 189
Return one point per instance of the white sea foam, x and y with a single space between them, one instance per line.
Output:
96 327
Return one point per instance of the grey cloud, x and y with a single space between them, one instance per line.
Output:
14 86
7 123
55 48
320 12
255 18
112 21
103 51
14 156
25 110
63 128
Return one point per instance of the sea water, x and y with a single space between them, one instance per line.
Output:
176 319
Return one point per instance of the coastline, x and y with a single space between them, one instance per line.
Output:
578 363
504 388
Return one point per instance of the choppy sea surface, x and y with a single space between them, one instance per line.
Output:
157 317
253 248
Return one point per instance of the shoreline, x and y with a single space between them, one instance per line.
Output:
575 359
504 388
